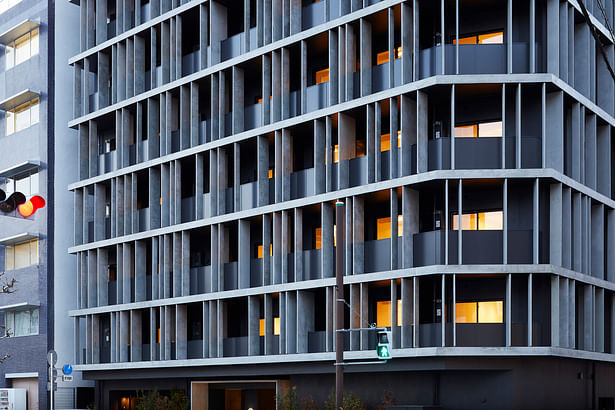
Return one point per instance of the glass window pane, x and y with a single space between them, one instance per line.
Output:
34 109
34 322
465 312
491 38
10 258
22 255
23 186
22 49
466 131
34 189
22 119
466 40
9 57
491 312
383 313
10 122
34 252
276 325
491 221
9 323
34 42
22 323
490 129
383 228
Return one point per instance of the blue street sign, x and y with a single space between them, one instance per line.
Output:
67 369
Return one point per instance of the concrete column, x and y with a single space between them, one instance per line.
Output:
267 91
597 241
588 318
333 67
167 266
410 226
407 43
319 157
358 231
554 144
305 319
355 315
92 279
268 312
364 313
393 224
244 254
415 311
154 269
555 224
213 181
102 268
267 243
291 322
329 318
277 248
213 328
136 336
406 312
276 89
327 250
552 31
298 230
304 75
393 128
140 271
370 137
262 172
238 100
253 325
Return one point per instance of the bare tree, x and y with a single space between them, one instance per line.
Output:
7 286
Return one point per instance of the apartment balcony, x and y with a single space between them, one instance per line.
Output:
474 59
479 247
483 153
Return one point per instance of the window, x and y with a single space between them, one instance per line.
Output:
276 326
482 130
496 37
383 313
383 57
21 255
480 312
26 185
385 141
259 251
480 221
318 237
383 227
22 322
322 76
22 116
22 48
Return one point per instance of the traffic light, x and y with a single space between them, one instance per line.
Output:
17 201
384 344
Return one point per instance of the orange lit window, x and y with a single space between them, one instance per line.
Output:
322 76
259 251
318 236
383 313
487 38
158 337
398 52
336 153
382 58
260 99
483 129
385 141
270 173
480 312
383 227
276 326
480 221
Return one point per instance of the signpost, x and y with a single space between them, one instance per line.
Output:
52 385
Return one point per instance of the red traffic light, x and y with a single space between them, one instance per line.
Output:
29 208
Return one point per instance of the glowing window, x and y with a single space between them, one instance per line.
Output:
318 237
383 227
486 38
336 153
322 76
382 58
276 326
270 173
483 129
480 312
383 313
259 251
385 141
480 221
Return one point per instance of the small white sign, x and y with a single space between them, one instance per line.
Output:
66 378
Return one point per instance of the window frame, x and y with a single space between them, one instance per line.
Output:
32 107
11 255
10 322
31 40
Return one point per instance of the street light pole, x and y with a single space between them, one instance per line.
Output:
339 304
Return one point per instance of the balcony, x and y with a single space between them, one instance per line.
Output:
474 59
479 247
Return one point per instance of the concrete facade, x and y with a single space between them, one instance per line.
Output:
213 138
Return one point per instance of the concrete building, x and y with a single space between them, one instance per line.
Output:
33 74
26 165
470 141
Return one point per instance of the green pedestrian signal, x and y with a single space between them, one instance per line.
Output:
384 344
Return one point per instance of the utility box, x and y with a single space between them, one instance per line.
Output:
12 399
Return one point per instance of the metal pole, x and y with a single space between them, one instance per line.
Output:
339 305
51 382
